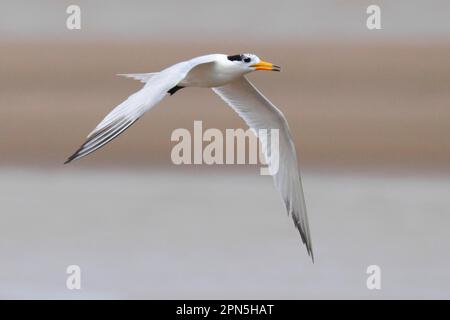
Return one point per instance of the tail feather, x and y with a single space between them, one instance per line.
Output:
142 77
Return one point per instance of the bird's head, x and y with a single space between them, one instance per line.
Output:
249 62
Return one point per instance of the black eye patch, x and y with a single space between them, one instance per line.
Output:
247 60
236 57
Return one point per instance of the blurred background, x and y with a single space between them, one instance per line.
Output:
369 113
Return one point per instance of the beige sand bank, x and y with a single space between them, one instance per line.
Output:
347 105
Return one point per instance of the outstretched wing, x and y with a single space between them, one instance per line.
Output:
259 113
129 111
142 77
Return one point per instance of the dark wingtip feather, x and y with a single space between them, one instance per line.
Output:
72 157
299 228
102 137
75 155
304 237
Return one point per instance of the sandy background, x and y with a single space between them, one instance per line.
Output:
347 105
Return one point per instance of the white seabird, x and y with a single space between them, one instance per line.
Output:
226 76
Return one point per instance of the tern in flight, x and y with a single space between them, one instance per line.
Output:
225 75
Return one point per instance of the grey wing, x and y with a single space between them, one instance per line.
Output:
259 113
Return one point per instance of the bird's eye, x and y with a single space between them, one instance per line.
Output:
247 60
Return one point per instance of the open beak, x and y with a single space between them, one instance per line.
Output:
262 65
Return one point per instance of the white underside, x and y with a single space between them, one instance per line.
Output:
209 75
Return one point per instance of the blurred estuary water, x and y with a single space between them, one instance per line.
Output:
202 20
175 234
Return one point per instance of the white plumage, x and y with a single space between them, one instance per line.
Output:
226 76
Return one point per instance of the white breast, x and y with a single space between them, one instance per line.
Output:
212 74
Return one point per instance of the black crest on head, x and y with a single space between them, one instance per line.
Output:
240 57
236 57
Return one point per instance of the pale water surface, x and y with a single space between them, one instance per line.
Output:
169 234
251 20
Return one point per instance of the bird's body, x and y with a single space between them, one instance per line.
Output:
210 71
226 76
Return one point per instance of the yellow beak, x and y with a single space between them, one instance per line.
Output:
262 65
